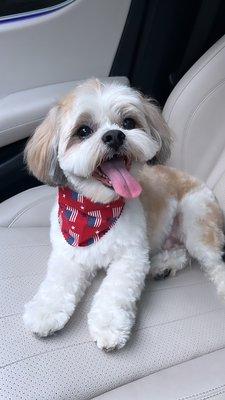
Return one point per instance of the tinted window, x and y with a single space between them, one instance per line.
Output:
12 7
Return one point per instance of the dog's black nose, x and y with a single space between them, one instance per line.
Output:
114 138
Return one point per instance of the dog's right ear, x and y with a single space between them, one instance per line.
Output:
159 130
42 150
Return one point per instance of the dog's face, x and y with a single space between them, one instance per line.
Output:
95 140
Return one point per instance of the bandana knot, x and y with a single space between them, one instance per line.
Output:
82 221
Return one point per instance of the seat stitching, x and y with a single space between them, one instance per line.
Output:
221 175
213 395
27 275
149 326
23 124
199 70
89 341
27 208
178 286
191 117
207 392
46 352
146 290
180 319
24 245
11 315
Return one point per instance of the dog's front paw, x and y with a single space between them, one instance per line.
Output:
110 330
41 319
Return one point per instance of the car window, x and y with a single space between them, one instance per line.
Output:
10 9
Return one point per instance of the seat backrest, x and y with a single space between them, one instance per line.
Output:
195 112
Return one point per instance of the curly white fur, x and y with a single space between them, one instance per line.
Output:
177 216
124 250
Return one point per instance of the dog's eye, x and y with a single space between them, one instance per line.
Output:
84 131
129 123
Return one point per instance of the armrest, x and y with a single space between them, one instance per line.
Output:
22 111
29 208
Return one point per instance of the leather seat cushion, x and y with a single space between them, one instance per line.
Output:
197 379
179 319
195 113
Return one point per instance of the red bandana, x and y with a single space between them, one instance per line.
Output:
82 221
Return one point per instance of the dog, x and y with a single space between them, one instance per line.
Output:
104 146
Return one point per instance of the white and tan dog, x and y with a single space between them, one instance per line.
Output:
97 141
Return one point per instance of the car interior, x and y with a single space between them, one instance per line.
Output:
174 52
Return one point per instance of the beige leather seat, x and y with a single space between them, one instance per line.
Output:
177 350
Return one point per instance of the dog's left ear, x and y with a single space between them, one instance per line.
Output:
159 129
41 151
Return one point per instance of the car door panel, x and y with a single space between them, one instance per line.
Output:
42 57
75 42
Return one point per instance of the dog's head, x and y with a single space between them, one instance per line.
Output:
95 139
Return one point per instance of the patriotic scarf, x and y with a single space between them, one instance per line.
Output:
82 221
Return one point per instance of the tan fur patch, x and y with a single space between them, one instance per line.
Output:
67 102
211 237
84 119
154 203
39 150
154 196
186 185
94 83
161 183
212 225
159 129
178 183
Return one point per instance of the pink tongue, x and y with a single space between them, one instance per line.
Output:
122 181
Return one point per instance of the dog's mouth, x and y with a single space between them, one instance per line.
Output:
115 173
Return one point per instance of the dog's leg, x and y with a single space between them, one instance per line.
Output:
58 295
112 313
168 262
202 223
211 262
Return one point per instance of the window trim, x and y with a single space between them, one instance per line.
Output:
35 13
